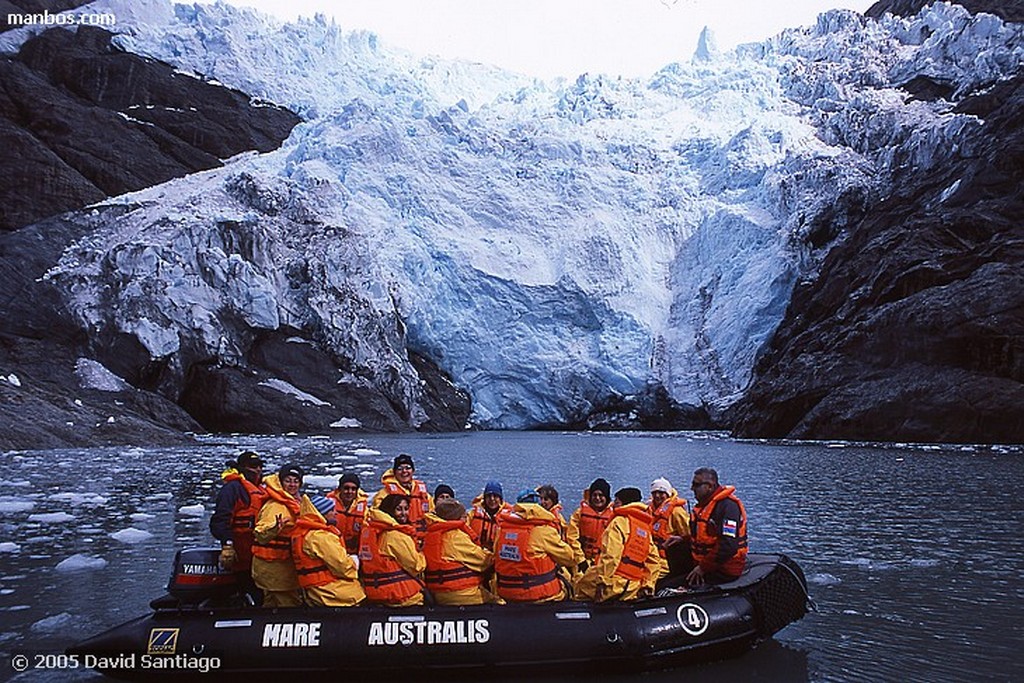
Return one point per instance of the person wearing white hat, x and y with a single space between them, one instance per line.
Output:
671 525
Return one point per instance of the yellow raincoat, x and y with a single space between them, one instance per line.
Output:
545 540
603 574
276 579
329 549
458 546
401 547
677 524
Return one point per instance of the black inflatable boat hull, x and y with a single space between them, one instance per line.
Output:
662 632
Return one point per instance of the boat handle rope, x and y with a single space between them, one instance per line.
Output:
811 605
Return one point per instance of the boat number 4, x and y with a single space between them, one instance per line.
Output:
692 618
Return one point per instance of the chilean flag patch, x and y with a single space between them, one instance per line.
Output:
729 527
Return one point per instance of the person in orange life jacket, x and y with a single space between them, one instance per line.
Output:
456 565
399 481
485 513
718 531
528 553
443 492
390 562
350 503
628 565
272 566
234 516
549 501
327 574
588 523
671 527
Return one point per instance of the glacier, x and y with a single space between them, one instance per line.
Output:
551 246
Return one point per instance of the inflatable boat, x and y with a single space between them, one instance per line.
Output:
198 628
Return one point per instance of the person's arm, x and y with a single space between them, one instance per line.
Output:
679 522
545 540
459 547
613 541
653 565
273 518
330 549
572 537
224 511
402 548
728 545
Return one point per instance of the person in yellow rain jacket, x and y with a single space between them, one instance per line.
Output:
327 574
390 565
399 481
485 514
272 568
628 566
527 554
455 564
671 526
588 523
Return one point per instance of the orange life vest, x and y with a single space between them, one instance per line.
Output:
444 575
632 565
662 518
520 577
485 527
243 520
311 571
350 520
592 525
705 537
419 503
384 580
278 549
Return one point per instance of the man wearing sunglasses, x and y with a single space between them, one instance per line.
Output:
718 531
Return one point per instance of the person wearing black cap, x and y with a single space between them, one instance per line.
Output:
272 566
350 503
443 492
234 517
588 523
399 481
628 565
485 514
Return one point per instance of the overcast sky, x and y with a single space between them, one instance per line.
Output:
562 37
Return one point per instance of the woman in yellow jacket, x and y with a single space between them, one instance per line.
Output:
629 563
455 564
327 574
389 563
272 568
528 551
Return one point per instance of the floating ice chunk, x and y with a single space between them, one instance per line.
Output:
162 496
20 483
8 547
132 535
135 452
364 451
9 505
13 379
824 579
53 624
925 563
51 517
79 498
77 563
192 510
320 481
141 516
347 423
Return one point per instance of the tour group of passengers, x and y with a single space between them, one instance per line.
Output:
404 545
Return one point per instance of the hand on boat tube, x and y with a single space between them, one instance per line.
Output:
696 576
228 558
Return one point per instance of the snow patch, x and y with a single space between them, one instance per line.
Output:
347 423
78 562
286 388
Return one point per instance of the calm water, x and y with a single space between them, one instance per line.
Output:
914 554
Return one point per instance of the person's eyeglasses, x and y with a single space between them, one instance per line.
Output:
400 468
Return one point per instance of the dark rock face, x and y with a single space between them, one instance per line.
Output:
1007 10
914 329
652 410
81 120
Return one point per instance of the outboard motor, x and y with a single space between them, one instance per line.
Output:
198 577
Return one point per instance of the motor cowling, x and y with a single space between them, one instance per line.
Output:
198 576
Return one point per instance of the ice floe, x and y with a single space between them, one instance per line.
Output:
131 535
51 517
77 563
196 510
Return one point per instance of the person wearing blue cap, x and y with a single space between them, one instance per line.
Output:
485 513
327 574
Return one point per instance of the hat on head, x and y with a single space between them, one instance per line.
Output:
629 495
528 496
661 484
444 488
602 486
450 510
349 479
249 459
494 487
290 469
323 505
403 459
